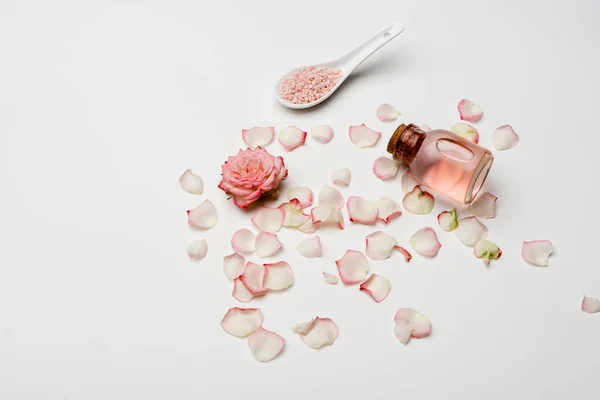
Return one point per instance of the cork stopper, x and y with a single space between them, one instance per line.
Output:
405 143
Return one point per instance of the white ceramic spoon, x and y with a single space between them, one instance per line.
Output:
347 63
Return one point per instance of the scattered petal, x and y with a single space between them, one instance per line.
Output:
353 267
470 231
590 305
362 211
259 136
191 182
294 217
377 286
253 278
363 137
265 345
425 242
504 138
332 196
267 244
447 220
410 323
466 131
404 252
387 209
242 322
537 252
280 276
241 292
243 241
317 333
303 327
330 278
385 168
327 214
269 219
469 111
380 245
484 206
322 133
418 202
233 266
487 251
291 137
303 194
310 248
425 127
204 216
408 181
387 112
341 177
309 227
197 250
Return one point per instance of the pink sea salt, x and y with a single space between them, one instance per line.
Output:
309 84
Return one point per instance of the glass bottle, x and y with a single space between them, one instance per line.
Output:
442 160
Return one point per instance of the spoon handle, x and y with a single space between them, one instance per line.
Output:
353 59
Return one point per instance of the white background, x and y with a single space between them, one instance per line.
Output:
103 104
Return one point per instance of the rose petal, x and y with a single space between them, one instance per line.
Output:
537 252
425 242
303 194
425 127
410 323
341 177
204 216
377 286
387 209
322 133
362 211
269 219
408 181
590 305
504 138
470 231
259 136
265 345
241 292
484 206
385 168
469 111
487 251
310 248
466 131
267 244
291 137
280 276
197 250
387 112
363 137
294 217
253 278
418 202
243 241
241 322
309 227
330 278
447 220
233 266
327 214
352 267
317 333
379 245
191 182
332 196
404 252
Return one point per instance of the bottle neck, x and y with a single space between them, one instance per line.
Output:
405 143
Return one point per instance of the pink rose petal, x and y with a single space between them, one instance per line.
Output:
447 220
466 131
387 112
317 333
404 252
377 286
191 182
197 250
352 267
233 266
385 168
363 137
418 202
327 214
408 181
484 206
310 248
537 252
253 278
387 209
425 242
409 323
330 278
269 219
469 111
241 292
341 177
322 133
303 194
291 137
265 345
309 227
487 251
243 241
470 231
267 244
332 196
204 216
590 305
259 136
242 322
504 138
294 216
279 276
362 211
379 245
425 127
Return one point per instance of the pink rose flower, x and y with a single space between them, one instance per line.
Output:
250 174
